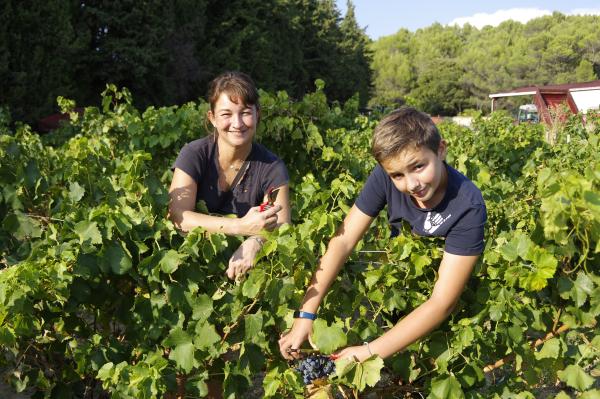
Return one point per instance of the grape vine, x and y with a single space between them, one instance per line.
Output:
99 293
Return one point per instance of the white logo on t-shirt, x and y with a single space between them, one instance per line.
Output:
434 221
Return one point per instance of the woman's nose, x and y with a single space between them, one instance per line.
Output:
237 121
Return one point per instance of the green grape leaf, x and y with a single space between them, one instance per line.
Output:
206 336
106 371
22 226
445 386
582 288
544 265
182 349
170 261
253 284
575 377
591 394
359 374
272 382
419 261
202 307
496 312
470 375
564 287
254 330
7 337
88 231
76 192
518 246
118 260
327 338
550 350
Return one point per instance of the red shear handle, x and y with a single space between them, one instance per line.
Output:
271 197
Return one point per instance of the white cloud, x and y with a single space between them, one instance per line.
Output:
585 11
522 15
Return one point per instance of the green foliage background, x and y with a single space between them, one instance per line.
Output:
100 294
166 52
444 70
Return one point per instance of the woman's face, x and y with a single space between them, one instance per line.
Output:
234 121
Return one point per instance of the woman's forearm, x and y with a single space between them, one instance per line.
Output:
189 220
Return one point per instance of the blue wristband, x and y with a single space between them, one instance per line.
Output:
298 314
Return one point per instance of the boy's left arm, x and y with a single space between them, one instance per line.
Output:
453 274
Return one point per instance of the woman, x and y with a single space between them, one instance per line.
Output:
231 173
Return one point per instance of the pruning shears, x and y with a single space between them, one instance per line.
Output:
271 197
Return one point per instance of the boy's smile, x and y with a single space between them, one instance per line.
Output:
420 173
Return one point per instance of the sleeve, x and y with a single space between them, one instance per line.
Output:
372 198
275 176
466 237
190 162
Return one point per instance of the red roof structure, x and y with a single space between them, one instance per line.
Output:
546 97
53 121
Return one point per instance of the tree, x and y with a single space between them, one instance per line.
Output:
126 47
357 57
437 71
445 69
38 46
166 52
394 75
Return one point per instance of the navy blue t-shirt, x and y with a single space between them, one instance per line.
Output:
264 170
460 216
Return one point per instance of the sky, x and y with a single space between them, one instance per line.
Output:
386 17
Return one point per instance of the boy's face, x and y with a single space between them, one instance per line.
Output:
419 172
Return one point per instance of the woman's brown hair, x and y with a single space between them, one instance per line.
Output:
239 87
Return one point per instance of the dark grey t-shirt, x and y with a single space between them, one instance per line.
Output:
460 216
264 170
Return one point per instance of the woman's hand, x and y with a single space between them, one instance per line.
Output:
242 259
357 353
255 221
294 338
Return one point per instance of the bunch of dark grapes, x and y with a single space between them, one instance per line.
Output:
314 367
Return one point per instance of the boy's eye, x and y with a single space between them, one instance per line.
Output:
397 176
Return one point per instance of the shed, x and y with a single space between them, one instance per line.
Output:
579 97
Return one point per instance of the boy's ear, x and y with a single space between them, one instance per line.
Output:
442 150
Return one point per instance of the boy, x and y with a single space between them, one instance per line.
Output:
417 185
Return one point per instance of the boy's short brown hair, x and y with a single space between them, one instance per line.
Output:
404 128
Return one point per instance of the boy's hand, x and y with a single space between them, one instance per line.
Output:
357 353
295 337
